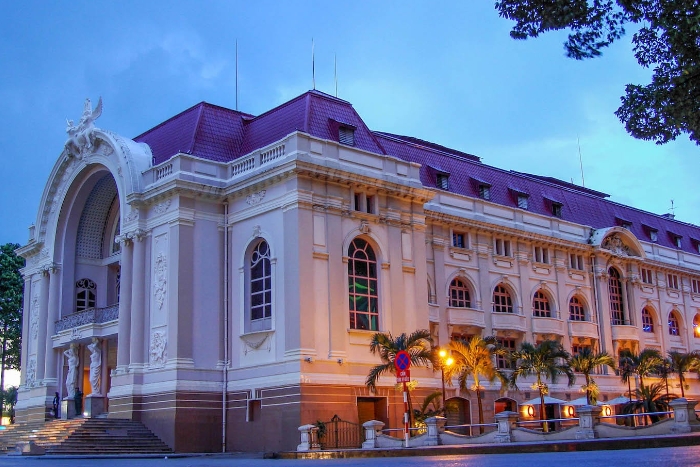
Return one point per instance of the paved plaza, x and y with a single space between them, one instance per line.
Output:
666 457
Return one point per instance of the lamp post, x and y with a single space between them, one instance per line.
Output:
445 360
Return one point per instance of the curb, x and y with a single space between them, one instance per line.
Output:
645 442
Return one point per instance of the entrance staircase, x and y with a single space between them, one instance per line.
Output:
85 436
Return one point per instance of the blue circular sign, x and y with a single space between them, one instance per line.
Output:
402 360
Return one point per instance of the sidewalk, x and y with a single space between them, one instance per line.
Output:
639 442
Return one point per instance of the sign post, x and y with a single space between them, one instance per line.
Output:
402 362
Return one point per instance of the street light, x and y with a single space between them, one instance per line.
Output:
445 360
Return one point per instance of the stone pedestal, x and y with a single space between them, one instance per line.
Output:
588 418
436 425
309 438
68 408
94 406
506 423
683 415
372 430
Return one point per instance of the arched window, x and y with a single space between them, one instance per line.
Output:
502 303
260 280
459 294
696 326
615 292
362 284
540 305
647 320
673 325
577 312
85 294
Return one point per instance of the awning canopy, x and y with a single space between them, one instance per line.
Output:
617 401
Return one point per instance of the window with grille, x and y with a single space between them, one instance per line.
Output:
260 283
442 181
540 306
576 310
502 361
522 201
485 192
576 262
647 276
502 247
673 326
672 281
695 285
362 285
459 240
459 294
85 294
615 295
346 135
541 255
502 303
647 321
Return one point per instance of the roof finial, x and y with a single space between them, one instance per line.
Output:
335 73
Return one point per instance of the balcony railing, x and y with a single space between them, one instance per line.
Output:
89 316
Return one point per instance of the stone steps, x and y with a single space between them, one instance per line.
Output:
85 436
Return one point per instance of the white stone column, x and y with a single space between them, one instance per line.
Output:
125 280
588 418
373 429
136 359
43 315
50 377
506 424
26 321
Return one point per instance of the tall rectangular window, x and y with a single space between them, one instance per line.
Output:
502 247
557 209
541 255
485 192
695 285
459 240
442 181
647 276
576 262
260 288
522 201
672 281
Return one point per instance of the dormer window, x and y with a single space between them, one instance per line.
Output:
346 135
626 225
485 191
522 201
442 181
557 209
677 240
654 235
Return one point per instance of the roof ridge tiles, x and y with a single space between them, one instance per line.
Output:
429 145
198 104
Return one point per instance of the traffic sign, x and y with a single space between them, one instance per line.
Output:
402 361
403 376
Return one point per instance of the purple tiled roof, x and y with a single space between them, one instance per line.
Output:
221 134
204 130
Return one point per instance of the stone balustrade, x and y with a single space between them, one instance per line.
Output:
589 426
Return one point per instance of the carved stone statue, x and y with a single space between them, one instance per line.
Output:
95 366
72 356
80 137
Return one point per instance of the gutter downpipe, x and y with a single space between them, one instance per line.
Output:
225 369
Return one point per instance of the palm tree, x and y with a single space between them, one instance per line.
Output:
682 363
664 371
475 358
585 362
418 344
546 361
627 370
429 408
650 399
643 364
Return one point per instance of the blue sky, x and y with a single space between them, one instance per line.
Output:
447 73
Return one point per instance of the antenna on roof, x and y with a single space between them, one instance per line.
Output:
580 161
673 209
236 74
335 73
313 65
